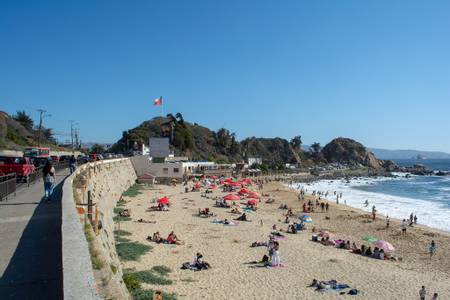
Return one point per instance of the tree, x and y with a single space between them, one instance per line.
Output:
180 118
48 135
315 152
315 147
296 142
97 148
24 119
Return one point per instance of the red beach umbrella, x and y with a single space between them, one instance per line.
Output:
235 184
231 197
212 186
244 191
252 202
197 185
164 200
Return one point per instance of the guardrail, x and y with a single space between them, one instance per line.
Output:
8 186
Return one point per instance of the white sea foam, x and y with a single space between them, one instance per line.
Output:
430 213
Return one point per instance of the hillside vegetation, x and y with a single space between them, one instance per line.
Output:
200 143
18 132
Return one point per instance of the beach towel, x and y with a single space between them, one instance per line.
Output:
280 265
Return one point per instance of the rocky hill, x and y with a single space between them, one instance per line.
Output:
350 151
200 143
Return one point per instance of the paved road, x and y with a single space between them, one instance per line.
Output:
30 244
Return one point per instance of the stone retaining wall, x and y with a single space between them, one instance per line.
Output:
106 181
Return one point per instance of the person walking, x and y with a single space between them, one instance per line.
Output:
422 293
403 226
72 164
387 221
432 248
435 296
49 179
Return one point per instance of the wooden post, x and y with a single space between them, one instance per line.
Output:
96 220
89 206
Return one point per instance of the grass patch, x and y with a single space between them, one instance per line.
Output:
118 210
121 202
161 270
120 239
140 294
133 191
128 251
97 263
88 233
113 269
131 281
151 278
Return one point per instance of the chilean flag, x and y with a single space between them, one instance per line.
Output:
158 101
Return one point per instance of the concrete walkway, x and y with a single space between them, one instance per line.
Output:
30 244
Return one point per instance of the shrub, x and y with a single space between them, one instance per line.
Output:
97 263
140 294
131 281
151 278
122 219
131 250
113 269
133 191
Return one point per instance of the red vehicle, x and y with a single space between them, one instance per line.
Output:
22 166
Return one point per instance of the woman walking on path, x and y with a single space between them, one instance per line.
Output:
49 179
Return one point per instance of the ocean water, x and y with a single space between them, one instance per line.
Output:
428 197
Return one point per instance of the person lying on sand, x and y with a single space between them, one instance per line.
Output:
235 210
156 238
258 244
283 206
205 213
199 263
270 200
145 221
125 213
243 217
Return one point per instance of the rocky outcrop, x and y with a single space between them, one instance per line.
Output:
345 150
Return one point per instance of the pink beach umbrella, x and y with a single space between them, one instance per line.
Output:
254 195
231 197
386 246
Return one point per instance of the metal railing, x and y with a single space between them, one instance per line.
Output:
8 186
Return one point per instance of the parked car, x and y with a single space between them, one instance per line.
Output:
21 166
55 158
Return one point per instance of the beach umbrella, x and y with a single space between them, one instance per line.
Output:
235 184
253 195
164 200
214 177
231 197
386 246
370 239
197 185
306 219
244 191
252 202
212 186
229 180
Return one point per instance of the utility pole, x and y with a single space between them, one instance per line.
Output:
42 115
72 132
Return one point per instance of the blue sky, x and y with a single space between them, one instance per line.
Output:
375 71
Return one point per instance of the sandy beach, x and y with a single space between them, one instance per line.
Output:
227 249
